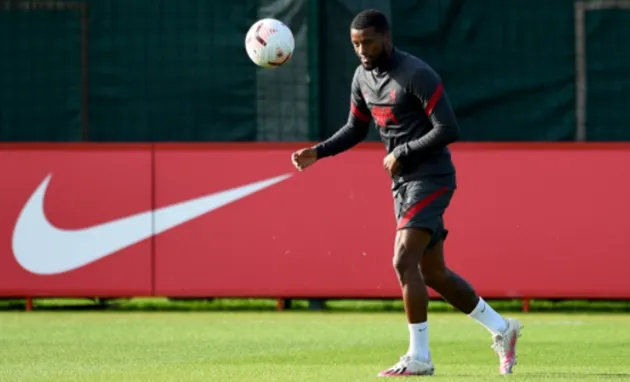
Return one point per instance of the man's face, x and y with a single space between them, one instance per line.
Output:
370 46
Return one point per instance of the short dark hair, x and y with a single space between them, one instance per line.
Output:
371 18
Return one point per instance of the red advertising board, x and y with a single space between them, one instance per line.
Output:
238 220
325 232
49 241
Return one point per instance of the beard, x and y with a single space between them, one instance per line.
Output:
375 62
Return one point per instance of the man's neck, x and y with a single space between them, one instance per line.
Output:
387 60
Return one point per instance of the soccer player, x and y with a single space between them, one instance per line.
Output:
407 101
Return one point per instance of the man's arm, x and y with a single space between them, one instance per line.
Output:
427 86
354 131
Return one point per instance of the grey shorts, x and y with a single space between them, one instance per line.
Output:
420 204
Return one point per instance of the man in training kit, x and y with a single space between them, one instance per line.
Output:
407 101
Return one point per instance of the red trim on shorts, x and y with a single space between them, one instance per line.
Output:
434 99
419 206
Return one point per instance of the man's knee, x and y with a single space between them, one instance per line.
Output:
432 266
433 277
404 257
410 245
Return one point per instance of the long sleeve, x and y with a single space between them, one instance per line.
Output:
427 86
356 128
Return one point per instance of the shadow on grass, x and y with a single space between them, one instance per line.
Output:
578 376
332 306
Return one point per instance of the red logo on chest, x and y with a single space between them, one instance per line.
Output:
384 115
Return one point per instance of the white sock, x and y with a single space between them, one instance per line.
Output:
488 317
419 340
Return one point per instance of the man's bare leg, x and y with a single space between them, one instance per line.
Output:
459 293
410 245
452 287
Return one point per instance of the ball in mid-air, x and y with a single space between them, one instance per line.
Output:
269 43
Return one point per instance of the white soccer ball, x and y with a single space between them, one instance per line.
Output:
269 43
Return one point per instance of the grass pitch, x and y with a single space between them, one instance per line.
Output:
296 346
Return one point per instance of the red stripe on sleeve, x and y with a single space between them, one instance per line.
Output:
357 113
434 99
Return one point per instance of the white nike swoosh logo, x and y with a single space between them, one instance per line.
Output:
43 249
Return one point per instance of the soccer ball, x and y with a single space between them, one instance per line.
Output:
269 43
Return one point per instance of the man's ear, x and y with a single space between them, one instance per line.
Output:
388 37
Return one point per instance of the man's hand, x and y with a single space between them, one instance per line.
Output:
304 158
391 164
